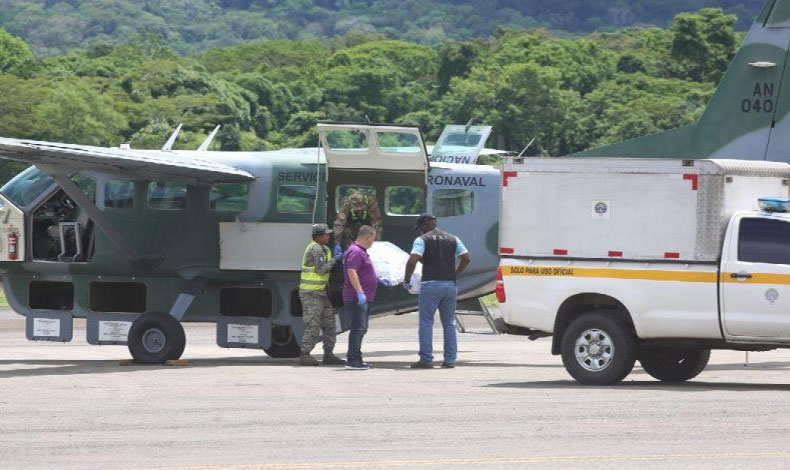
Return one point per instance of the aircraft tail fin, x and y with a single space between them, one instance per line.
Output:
748 116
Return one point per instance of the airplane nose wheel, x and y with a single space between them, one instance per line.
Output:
155 338
284 343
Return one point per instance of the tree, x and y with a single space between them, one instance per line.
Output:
13 51
703 46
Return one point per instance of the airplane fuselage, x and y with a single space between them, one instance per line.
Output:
175 226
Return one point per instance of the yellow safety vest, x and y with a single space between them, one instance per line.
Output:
311 280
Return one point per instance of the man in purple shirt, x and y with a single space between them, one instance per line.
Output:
359 291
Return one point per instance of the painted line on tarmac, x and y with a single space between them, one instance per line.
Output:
373 464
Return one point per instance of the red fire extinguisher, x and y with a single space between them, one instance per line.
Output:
13 240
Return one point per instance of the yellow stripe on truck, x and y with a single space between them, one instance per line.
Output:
634 274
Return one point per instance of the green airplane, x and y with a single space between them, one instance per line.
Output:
749 115
138 241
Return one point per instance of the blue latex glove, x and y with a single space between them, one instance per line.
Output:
385 282
361 298
338 251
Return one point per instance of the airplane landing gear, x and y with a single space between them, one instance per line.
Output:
284 343
155 338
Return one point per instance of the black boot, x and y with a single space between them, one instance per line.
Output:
331 360
307 360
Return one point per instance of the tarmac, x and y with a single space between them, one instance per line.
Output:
508 404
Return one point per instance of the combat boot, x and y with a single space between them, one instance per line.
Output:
307 360
331 360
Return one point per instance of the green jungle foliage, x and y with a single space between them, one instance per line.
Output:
567 93
56 26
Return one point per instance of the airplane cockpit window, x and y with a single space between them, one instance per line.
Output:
349 140
229 197
398 142
119 194
86 184
452 202
404 200
167 196
25 187
294 199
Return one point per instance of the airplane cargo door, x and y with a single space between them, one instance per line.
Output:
377 175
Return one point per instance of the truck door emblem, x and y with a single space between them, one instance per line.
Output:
772 295
601 210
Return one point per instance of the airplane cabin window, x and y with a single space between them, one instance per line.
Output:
167 196
453 202
398 142
462 140
347 140
294 199
25 187
229 197
404 200
119 194
342 192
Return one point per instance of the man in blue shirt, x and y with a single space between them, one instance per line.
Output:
438 251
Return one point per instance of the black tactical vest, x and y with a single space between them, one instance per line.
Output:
438 261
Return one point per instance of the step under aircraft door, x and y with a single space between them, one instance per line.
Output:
388 166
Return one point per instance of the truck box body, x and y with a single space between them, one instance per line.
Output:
630 209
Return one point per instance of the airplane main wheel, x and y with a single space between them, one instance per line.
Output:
284 343
155 338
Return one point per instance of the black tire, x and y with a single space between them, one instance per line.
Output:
155 338
284 343
674 364
606 349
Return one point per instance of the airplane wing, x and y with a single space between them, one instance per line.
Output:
125 163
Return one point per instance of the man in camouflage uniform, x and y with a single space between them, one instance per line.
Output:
358 209
317 311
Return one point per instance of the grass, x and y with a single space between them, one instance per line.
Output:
489 300
3 301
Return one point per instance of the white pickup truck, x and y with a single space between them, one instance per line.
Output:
652 260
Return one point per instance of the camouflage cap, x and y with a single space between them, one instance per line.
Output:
321 229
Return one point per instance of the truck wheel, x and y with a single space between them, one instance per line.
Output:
598 349
284 343
155 338
672 364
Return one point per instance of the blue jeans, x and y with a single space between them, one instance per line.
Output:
441 295
359 326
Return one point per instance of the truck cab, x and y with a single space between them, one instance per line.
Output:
755 278
659 261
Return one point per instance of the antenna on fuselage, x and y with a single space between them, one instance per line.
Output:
172 140
527 147
469 125
204 146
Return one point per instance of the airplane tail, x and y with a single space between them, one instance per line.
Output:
748 116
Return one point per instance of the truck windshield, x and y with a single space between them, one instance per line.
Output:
25 187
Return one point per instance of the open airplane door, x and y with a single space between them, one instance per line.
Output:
377 175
